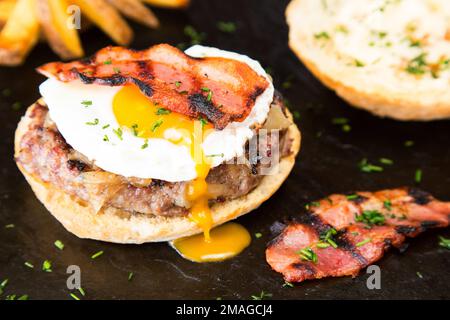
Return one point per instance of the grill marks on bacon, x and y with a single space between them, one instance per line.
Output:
222 90
406 211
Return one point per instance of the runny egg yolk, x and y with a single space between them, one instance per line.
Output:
145 119
226 241
149 120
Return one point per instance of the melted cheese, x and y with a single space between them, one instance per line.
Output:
226 241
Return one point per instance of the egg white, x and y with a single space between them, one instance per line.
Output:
125 156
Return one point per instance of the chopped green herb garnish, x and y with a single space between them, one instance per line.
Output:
387 204
382 34
352 197
322 35
156 125
312 204
13 297
371 217
93 123
59 244
308 254
327 237
81 290
418 65
177 84
47 266
443 242
287 284
258 235
361 243
74 296
145 145
86 103
130 276
29 265
203 121
341 28
261 296
3 285
116 70
119 133
418 176
17 106
414 42
106 126
107 61
359 63
386 161
409 143
215 155
96 255
228 27
322 245
105 138
365 166
344 122
339 121
346 128
134 127
196 37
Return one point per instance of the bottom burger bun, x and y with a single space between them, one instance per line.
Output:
115 225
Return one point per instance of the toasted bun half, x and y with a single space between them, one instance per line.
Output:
388 57
109 225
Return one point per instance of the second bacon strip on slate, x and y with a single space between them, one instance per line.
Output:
342 234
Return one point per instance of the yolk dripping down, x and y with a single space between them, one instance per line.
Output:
148 120
145 119
227 241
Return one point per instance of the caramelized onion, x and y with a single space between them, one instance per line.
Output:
100 177
276 119
217 189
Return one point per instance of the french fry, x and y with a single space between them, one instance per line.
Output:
173 4
54 20
20 33
136 10
106 18
6 8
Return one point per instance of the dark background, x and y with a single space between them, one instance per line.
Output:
328 163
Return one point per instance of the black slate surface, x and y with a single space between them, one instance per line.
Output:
327 164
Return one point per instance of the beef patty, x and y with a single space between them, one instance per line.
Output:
46 155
